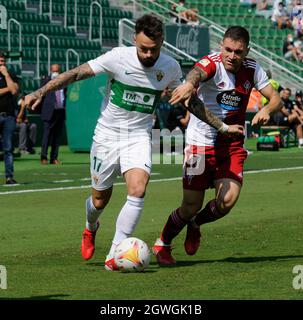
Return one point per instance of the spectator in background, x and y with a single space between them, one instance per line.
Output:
298 44
53 116
299 99
297 9
280 17
288 116
27 130
185 15
289 50
8 91
178 118
263 9
298 107
169 116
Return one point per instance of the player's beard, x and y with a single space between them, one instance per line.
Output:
148 63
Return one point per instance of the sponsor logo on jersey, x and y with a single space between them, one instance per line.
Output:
230 100
159 75
204 62
127 72
147 166
138 98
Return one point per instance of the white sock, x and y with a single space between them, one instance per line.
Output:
127 220
300 141
92 215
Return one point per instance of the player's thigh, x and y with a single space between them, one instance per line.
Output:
227 193
135 153
136 182
104 165
191 203
135 161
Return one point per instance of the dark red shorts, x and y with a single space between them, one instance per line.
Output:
203 165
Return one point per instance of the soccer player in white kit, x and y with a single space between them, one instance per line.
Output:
225 80
122 137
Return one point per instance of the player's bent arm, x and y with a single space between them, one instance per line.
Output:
275 103
185 90
84 71
197 107
195 76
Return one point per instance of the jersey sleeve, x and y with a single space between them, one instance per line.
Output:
177 78
106 63
260 78
208 66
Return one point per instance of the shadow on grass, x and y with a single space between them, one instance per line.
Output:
182 263
47 297
101 264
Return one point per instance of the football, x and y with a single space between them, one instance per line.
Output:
132 254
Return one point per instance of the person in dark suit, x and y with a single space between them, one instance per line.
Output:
53 117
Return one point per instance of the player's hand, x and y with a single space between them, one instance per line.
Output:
4 71
181 93
32 100
235 130
261 118
19 119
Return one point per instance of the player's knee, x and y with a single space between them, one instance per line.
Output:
100 203
137 191
226 203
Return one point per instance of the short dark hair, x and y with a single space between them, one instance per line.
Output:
150 25
237 33
2 54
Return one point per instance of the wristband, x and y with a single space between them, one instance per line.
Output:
224 128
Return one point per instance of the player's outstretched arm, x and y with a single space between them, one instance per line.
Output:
197 107
274 105
81 72
185 90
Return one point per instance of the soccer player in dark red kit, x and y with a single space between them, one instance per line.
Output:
214 160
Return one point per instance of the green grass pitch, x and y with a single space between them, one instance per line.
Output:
249 254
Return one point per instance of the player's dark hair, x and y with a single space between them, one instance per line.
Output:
150 25
237 33
2 54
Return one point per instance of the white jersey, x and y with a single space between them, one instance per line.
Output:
133 91
226 95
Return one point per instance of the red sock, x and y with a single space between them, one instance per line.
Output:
173 227
209 214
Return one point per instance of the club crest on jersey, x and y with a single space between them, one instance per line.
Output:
247 85
159 75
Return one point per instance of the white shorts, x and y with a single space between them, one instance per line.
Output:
114 157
